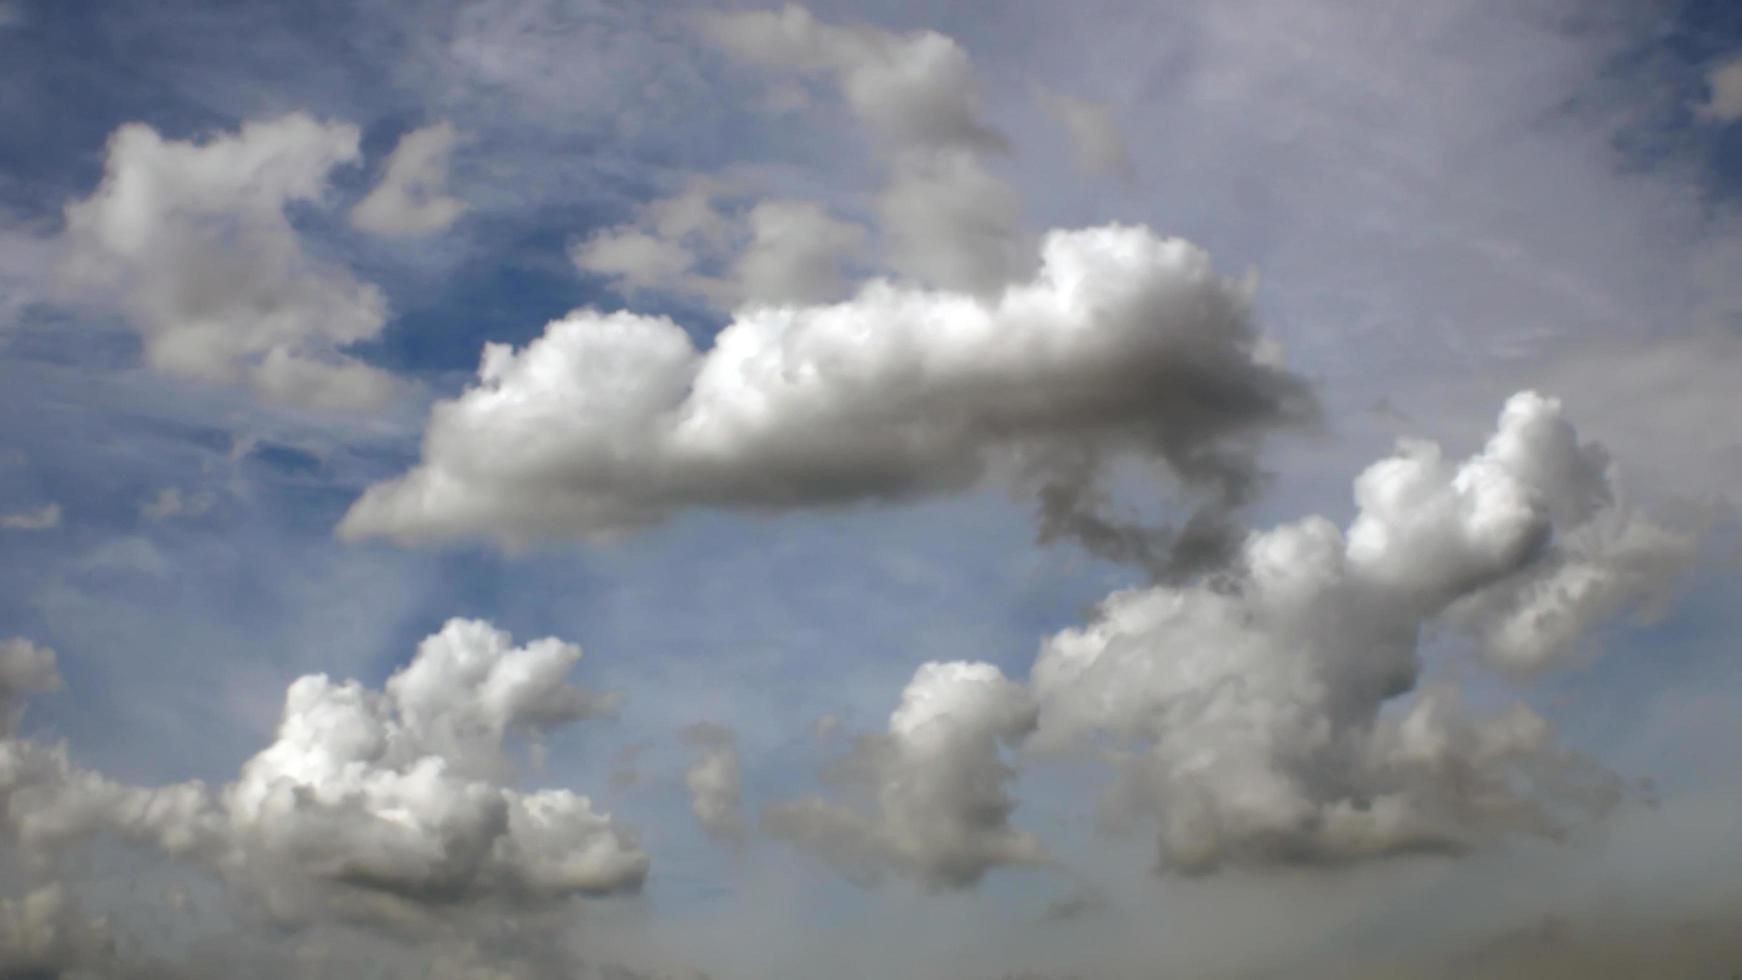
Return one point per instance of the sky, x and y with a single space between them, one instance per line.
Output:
1116 490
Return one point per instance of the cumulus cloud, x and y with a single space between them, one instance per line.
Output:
192 244
411 199
42 518
708 242
1125 343
403 793
1724 103
949 220
1096 141
381 804
1264 716
716 796
941 809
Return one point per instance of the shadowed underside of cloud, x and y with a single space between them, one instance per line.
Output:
1124 345
379 805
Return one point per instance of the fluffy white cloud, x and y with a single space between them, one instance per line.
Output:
949 220
411 198
942 812
707 242
1724 104
403 793
1096 142
376 804
1264 713
713 780
42 518
1124 343
191 242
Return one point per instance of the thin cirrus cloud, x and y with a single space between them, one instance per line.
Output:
44 518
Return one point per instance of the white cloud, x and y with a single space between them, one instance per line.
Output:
713 780
1096 142
378 805
192 244
942 813
411 199
1264 717
42 518
1123 343
1724 103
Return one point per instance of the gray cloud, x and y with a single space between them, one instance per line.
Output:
710 242
191 243
941 814
1268 717
1724 100
714 781
44 935
949 220
1097 144
44 518
411 198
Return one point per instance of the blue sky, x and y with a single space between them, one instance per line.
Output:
843 377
